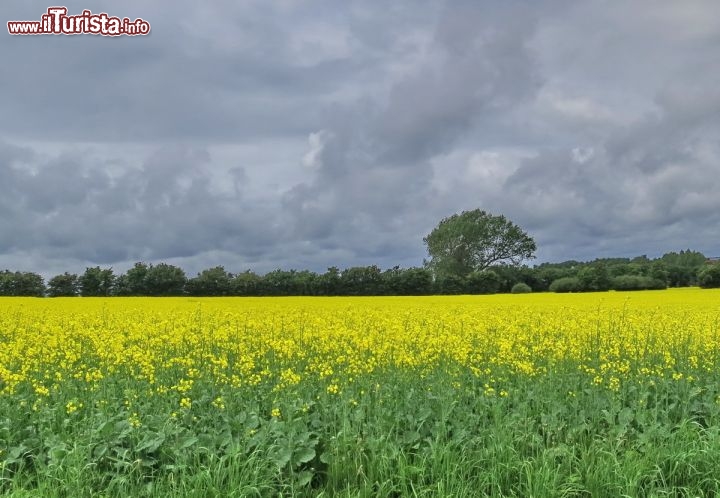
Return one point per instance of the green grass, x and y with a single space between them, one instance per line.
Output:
393 435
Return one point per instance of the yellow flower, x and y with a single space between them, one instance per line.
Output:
134 420
165 349
72 407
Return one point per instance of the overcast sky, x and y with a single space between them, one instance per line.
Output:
305 134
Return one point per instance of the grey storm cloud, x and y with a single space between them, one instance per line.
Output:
372 176
264 135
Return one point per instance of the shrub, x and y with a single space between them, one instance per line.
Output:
450 284
594 278
637 282
710 277
483 282
656 284
565 284
520 288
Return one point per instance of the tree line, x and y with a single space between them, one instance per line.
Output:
674 269
474 252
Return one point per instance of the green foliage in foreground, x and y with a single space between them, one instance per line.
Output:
392 436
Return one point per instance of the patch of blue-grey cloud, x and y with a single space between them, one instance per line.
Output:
285 135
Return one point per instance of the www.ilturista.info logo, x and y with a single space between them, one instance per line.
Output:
57 22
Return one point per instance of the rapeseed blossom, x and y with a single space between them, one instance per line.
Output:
68 349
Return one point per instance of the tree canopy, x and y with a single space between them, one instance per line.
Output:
475 240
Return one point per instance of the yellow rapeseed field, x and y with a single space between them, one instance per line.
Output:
598 394
168 345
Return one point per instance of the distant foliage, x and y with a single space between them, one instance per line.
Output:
361 281
482 282
211 282
132 283
65 285
407 282
710 277
450 284
636 282
521 288
565 284
96 282
148 280
594 278
683 269
21 284
688 258
475 240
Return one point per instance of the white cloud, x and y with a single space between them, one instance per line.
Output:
316 142
582 154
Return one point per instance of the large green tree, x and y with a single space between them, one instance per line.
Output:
21 284
475 240
710 276
165 280
211 282
63 285
96 281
